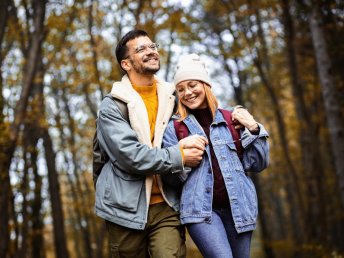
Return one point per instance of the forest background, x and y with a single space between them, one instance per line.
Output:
281 59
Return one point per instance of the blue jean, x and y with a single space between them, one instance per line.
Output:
218 238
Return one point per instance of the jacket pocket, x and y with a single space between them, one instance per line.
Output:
123 190
231 146
232 157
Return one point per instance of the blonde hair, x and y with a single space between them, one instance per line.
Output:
212 103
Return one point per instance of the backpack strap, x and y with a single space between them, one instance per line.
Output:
121 105
227 115
181 129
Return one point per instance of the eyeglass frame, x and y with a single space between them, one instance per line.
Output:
143 47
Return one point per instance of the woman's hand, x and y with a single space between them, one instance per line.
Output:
193 141
241 117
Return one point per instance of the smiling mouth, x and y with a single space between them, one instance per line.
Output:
151 58
192 99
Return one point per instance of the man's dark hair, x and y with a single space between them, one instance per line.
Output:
122 49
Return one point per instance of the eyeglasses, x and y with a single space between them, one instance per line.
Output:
142 48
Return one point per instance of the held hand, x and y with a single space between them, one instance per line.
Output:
241 116
193 141
192 157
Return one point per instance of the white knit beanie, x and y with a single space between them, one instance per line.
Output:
190 67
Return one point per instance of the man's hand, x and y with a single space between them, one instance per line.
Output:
193 147
193 141
241 117
192 157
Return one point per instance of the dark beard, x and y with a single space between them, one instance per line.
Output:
148 70
144 70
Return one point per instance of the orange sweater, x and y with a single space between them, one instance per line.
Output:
150 98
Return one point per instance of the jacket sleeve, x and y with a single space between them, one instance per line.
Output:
121 144
170 139
256 153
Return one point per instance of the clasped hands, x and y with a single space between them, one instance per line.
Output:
193 147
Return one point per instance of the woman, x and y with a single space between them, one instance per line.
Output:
218 200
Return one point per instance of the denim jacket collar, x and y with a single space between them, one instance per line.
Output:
218 118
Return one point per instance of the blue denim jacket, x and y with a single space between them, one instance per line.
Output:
197 191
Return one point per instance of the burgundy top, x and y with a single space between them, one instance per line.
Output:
220 196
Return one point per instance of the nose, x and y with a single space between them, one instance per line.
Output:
188 91
148 50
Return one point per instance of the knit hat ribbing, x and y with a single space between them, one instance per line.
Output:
190 67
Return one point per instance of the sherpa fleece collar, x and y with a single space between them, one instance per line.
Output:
138 116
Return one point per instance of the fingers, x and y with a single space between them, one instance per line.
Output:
193 149
238 126
241 115
194 141
197 145
192 157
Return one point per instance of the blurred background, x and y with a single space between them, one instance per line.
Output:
281 59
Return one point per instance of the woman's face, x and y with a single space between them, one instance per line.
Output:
192 94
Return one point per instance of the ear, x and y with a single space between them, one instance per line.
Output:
126 65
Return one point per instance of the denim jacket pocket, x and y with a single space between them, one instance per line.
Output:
233 158
231 146
122 190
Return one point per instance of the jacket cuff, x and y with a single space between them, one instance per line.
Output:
247 137
176 159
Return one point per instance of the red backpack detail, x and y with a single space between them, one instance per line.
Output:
182 131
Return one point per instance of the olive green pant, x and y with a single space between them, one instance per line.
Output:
163 236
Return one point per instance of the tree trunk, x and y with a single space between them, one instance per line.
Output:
77 188
37 241
293 190
4 161
60 238
293 187
309 142
93 51
8 148
23 236
29 71
32 134
169 52
332 105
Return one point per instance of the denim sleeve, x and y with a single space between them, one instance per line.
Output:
121 144
170 139
256 153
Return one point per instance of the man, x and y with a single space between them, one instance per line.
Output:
140 212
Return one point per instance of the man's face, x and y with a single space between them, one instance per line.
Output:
143 56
